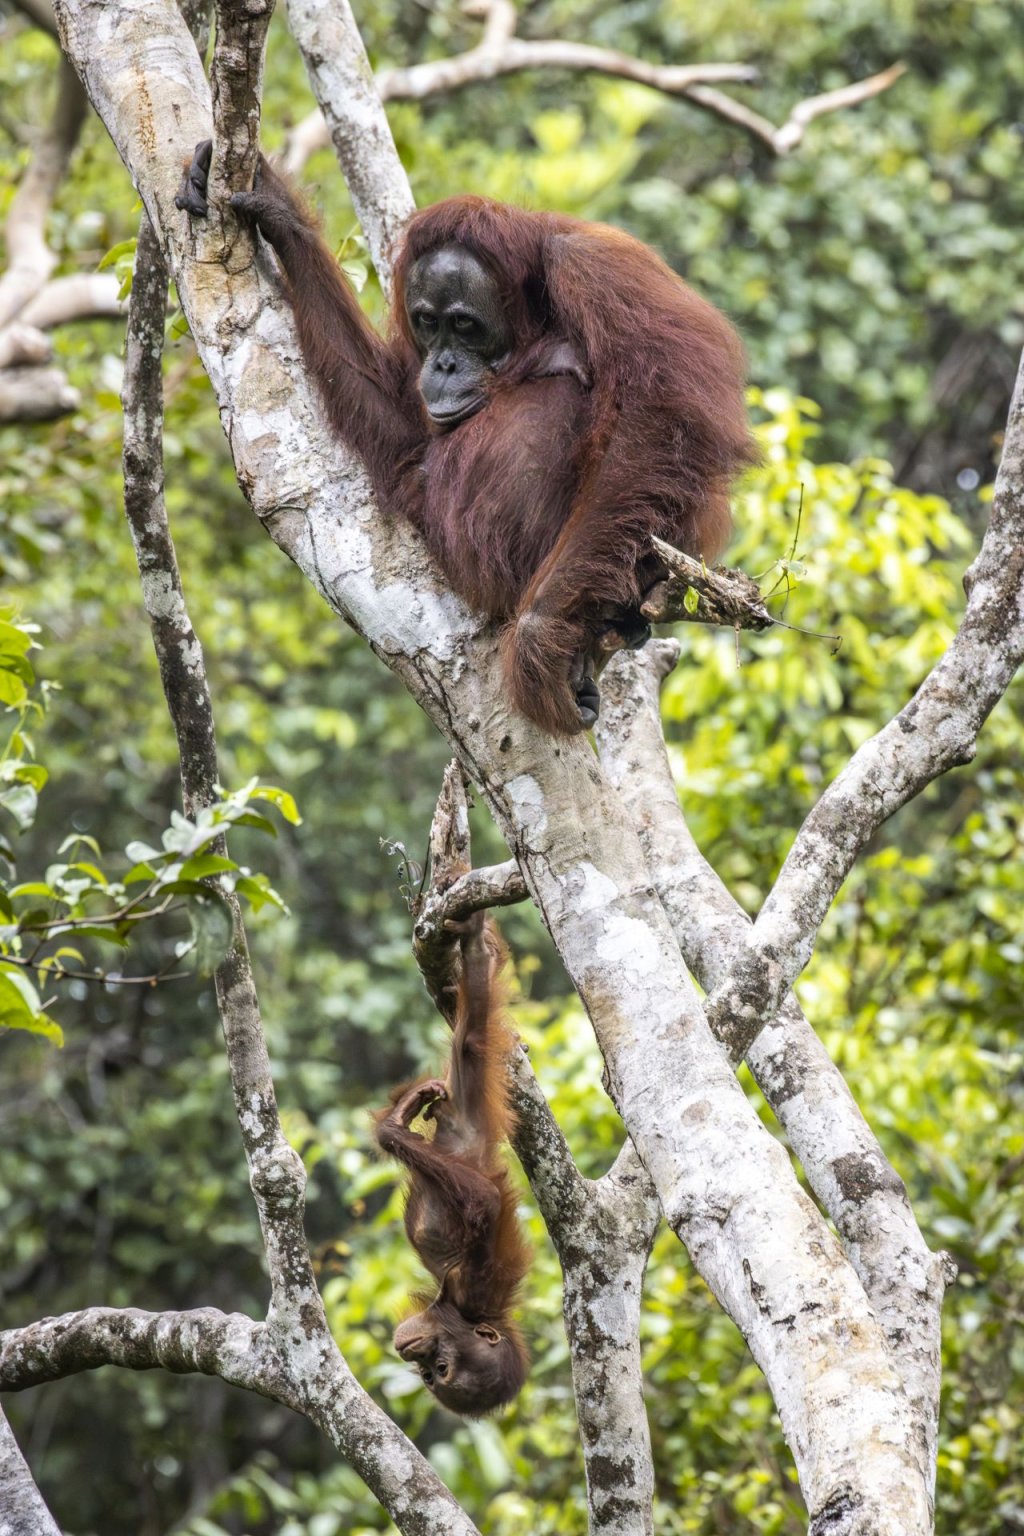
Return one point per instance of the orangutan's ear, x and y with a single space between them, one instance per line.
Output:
486 1332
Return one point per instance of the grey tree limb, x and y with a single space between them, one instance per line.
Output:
29 258
602 1230
725 1185
36 394
843 1161
353 112
936 731
22 1510
501 52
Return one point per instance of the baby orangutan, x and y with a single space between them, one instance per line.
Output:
460 1213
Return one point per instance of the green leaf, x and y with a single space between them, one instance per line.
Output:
691 599
115 254
20 801
258 892
20 1007
79 837
66 951
284 802
13 692
37 1024
202 865
14 641
254 819
139 872
94 872
31 773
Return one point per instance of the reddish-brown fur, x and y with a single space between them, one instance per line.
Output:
460 1212
540 507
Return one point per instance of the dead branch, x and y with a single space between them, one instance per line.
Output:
501 52
699 595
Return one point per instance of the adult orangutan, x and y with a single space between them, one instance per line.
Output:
550 395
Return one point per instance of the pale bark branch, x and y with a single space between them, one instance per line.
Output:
725 1185
844 1163
602 1231
29 258
343 84
79 296
206 1340
36 394
936 731
21 344
500 52
30 392
782 138
22 1511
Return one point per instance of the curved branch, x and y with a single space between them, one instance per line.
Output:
841 1157
29 259
500 52
224 1344
80 296
936 731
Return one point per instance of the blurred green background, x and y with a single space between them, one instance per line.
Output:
879 273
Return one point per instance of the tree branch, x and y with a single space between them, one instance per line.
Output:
841 1157
80 296
29 259
36 394
21 1503
602 1232
215 1343
500 52
236 86
695 593
353 111
936 731
725 1185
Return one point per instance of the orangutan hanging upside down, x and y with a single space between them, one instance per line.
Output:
460 1212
